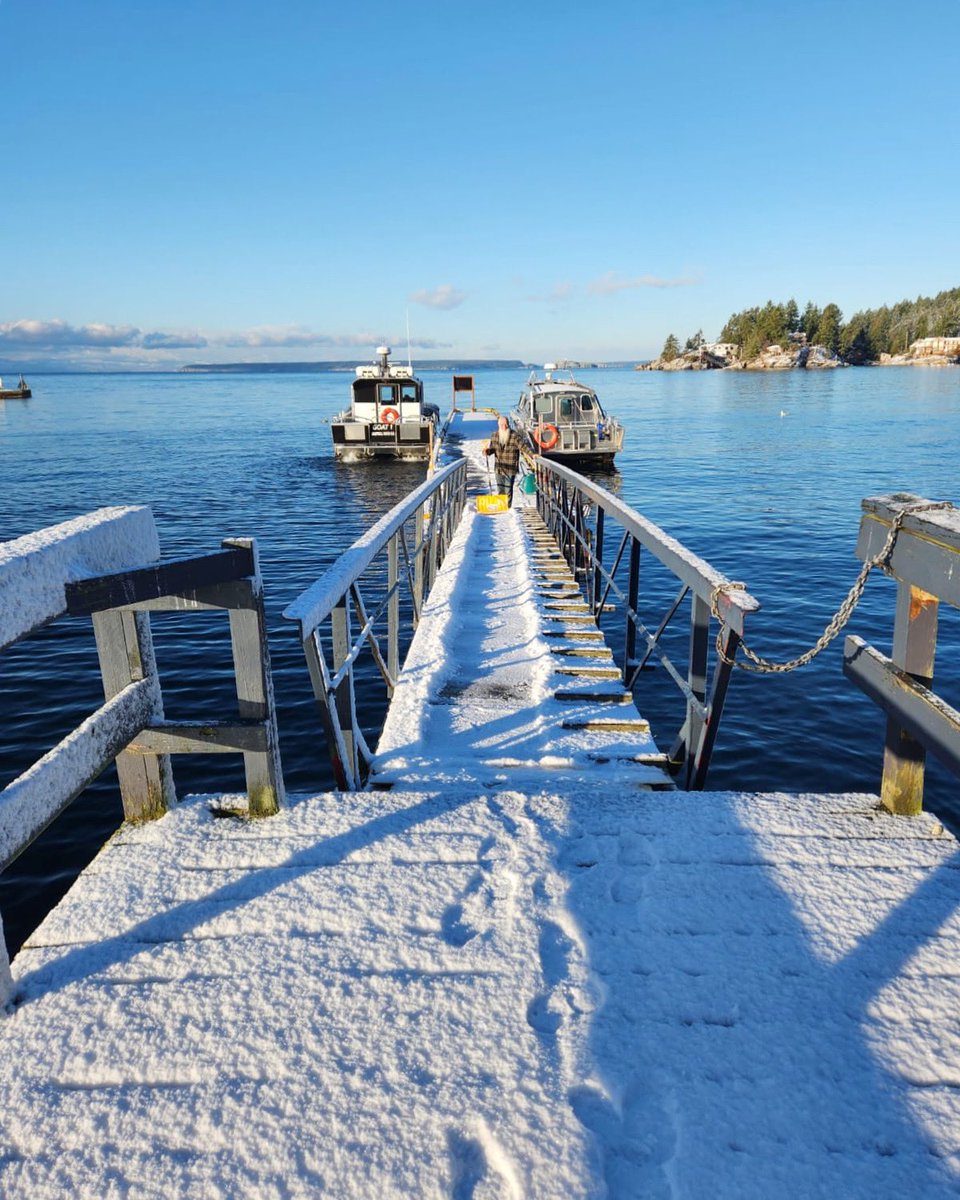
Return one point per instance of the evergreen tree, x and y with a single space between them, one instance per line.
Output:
828 330
811 320
791 314
695 342
856 346
671 348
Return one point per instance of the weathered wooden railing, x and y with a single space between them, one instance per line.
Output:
925 561
578 512
414 535
84 567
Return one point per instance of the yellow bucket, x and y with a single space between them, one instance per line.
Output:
492 504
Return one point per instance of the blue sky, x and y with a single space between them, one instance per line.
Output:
240 181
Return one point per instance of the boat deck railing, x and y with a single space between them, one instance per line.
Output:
413 538
582 515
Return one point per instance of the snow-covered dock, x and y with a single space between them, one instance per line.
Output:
520 965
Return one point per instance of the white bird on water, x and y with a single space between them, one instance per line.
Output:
783 412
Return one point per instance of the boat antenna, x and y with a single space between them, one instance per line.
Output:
409 360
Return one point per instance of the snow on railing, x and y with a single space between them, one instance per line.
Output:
577 512
414 534
925 562
94 566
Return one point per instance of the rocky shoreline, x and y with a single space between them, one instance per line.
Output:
717 357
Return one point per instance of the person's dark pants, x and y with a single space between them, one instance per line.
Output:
505 486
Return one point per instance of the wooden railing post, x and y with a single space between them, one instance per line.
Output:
251 662
125 649
914 649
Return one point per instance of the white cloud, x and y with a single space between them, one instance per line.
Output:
609 284
62 342
445 296
53 335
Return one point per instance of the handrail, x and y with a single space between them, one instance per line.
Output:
103 566
565 499
925 562
434 509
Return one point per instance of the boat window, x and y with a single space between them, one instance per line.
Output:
364 391
586 403
408 393
544 406
566 406
387 393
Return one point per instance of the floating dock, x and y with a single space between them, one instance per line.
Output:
519 962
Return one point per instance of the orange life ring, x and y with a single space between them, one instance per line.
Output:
547 437
390 416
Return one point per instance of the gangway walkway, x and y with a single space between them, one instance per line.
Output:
507 969
508 677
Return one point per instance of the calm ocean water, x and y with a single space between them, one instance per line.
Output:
762 475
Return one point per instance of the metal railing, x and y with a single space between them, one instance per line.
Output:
925 562
414 537
582 516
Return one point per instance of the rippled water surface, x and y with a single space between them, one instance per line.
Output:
762 475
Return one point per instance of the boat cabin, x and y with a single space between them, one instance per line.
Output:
378 398
567 407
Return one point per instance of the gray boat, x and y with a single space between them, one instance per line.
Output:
564 420
387 417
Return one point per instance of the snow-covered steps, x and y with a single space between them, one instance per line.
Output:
571 992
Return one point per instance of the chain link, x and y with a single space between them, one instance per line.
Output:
841 617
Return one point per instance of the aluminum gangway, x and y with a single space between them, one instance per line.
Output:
518 954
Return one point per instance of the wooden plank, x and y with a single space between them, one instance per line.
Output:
34 570
920 712
914 649
86 596
125 649
251 663
609 725
927 550
218 737
30 802
590 672
585 652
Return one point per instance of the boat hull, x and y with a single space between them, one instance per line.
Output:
15 393
357 441
595 459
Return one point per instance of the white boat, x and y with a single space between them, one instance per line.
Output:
387 417
564 420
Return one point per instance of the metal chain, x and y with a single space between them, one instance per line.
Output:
842 615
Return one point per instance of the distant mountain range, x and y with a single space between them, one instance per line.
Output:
313 368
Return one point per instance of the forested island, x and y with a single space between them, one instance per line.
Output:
925 330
